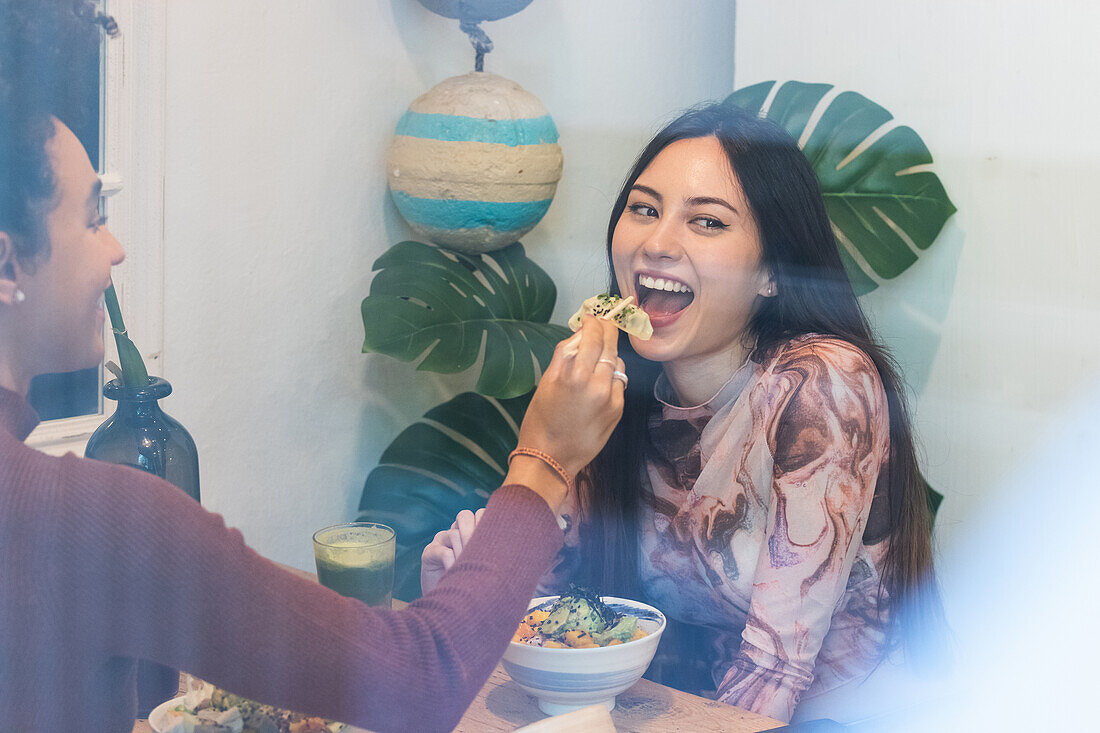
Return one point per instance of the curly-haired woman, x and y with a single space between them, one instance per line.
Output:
102 565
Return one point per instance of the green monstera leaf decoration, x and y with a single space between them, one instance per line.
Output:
886 206
449 460
441 305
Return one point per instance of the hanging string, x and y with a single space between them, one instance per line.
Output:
479 40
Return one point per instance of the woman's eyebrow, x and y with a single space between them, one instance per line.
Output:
703 200
646 190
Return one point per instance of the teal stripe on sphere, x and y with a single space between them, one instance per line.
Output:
455 128
451 214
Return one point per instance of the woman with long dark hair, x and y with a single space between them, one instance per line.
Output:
762 487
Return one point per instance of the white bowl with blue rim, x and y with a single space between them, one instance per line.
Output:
563 680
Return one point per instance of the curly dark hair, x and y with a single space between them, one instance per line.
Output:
42 42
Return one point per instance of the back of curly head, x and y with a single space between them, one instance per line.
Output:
41 41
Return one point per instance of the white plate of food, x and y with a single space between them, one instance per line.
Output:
206 709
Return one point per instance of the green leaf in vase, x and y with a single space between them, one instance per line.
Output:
885 204
451 459
443 307
133 372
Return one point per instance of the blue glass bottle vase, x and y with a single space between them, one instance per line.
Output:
140 434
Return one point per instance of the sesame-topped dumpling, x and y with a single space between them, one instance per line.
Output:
629 318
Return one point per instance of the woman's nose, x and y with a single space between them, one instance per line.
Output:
118 254
662 242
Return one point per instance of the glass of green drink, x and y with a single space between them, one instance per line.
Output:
356 560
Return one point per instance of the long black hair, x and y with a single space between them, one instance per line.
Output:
814 296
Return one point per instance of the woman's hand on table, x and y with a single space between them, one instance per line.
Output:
444 549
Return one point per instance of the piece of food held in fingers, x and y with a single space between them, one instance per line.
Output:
622 312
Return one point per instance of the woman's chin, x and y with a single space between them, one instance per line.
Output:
95 359
652 349
87 358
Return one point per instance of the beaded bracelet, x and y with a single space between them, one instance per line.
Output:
545 458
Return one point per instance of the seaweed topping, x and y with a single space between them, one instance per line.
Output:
606 614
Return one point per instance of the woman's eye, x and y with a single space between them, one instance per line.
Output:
98 222
643 210
709 222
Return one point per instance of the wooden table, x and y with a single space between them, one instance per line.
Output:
647 706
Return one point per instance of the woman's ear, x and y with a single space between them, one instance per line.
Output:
10 294
768 289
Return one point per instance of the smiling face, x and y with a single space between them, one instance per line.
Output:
688 249
59 325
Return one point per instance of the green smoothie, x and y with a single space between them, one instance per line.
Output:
357 561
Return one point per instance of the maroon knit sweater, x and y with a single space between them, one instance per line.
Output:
101 565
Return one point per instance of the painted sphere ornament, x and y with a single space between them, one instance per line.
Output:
475 10
471 14
475 163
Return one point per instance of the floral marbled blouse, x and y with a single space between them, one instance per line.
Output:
751 530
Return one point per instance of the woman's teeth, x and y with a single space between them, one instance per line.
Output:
662 297
657 283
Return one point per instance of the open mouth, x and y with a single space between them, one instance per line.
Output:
662 297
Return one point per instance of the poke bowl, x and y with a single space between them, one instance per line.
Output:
585 666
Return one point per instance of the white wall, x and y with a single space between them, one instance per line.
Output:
278 117
997 326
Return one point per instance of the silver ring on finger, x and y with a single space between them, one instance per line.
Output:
621 376
610 362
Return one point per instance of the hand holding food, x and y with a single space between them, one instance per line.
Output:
444 549
579 399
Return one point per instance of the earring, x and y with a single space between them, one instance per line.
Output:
770 291
19 296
